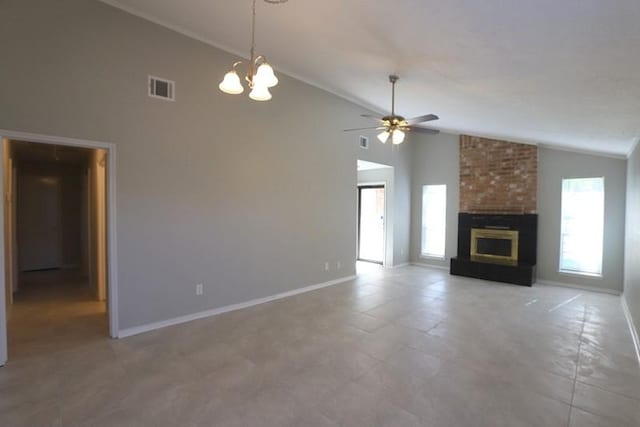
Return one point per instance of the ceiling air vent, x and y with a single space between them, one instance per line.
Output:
161 88
364 142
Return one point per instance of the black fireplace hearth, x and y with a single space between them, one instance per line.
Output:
498 247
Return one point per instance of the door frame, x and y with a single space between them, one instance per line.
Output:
383 185
111 243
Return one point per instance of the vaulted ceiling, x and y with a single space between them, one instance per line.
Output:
561 73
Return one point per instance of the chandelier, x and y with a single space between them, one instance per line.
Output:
260 76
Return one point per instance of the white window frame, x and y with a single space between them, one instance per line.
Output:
560 251
424 254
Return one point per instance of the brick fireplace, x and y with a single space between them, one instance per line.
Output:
497 176
497 223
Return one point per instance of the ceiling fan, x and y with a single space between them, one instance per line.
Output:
396 126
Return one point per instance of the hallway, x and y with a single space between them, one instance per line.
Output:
54 311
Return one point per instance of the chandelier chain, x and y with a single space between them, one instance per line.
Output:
253 38
260 76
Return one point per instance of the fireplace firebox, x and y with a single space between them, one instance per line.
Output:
493 245
498 247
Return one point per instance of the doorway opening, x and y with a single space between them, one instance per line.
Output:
374 214
59 287
371 217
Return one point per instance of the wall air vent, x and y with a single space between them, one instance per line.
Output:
162 88
364 142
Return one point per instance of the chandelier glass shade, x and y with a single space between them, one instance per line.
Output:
231 82
260 76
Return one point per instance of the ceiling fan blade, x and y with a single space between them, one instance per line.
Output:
370 116
372 127
426 131
421 119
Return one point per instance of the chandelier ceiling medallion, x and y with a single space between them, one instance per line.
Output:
260 76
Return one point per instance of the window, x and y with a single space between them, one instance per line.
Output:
582 226
434 220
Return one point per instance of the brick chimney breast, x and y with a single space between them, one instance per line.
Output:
497 176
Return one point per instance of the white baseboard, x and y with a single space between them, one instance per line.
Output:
576 286
404 264
213 312
425 265
632 326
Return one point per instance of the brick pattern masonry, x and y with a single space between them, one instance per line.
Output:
497 176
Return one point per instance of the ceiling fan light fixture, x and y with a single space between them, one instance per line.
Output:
231 83
260 93
395 125
397 137
265 76
383 136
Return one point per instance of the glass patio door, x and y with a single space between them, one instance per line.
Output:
371 210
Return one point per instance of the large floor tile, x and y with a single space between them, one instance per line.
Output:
357 406
606 404
403 347
581 418
610 370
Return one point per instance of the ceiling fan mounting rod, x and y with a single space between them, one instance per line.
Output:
393 79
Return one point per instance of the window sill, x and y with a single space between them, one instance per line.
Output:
433 258
580 274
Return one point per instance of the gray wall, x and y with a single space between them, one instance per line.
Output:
435 161
553 166
632 238
248 198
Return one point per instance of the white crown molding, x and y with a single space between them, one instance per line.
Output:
633 148
540 144
354 100
583 151
186 32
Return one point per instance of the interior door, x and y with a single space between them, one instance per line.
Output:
39 240
371 211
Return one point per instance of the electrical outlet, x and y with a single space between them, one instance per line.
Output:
338 265
326 266
199 290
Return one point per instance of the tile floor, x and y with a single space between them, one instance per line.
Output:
404 347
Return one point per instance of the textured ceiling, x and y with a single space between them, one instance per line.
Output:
555 72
